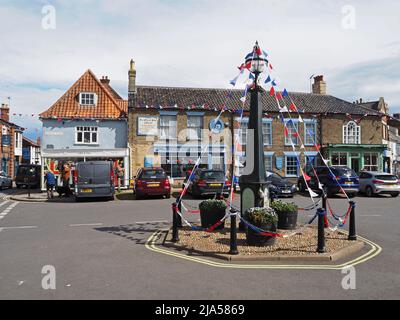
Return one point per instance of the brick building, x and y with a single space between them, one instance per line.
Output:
165 125
11 142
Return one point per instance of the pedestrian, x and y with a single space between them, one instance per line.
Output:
50 180
66 174
120 175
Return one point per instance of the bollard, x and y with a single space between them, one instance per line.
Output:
175 235
321 230
324 206
178 217
233 241
352 223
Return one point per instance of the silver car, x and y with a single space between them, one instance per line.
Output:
5 181
373 182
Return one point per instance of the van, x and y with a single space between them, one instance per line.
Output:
94 179
28 175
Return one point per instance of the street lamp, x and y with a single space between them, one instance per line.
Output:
253 183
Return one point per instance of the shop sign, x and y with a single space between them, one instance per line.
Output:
6 140
147 126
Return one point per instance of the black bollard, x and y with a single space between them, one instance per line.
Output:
175 235
178 217
233 241
321 230
352 223
324 206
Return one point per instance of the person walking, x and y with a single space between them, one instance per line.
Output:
50 180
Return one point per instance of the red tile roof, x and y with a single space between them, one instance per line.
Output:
109 104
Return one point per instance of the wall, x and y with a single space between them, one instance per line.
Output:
111 134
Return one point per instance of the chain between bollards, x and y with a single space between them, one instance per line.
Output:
321 230
175 234
233 240
352 222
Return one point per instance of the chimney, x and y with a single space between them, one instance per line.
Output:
131 87
38 141
5 112
105 80
361 100
132 77
319 85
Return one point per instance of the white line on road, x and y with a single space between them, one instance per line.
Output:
21 227
144 222
370 215
85 224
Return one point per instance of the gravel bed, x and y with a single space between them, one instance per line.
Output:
302 241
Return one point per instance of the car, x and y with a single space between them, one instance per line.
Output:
373 182
5 181
279 186
94 179
28 175
209 182
333 180
152 182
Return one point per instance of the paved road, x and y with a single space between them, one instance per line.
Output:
97 249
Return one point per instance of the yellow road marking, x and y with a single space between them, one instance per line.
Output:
373 252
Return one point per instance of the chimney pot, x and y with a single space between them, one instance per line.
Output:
5 112
104 79
319 85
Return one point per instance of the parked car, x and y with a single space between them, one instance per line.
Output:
94 179
28 175
373 182
206 182
152 182
5 180
280 186
343 177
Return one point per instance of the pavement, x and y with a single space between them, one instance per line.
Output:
99 251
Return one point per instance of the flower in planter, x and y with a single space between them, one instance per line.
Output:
280 206
261 216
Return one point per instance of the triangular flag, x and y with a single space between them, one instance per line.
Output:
274 83
302 147
270 66
295 134
283 109
293 107
300 119
279 96
233 81
317 147
286 131
267 80
272 92
285 93
312 193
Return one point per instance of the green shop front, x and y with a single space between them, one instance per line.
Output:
356 156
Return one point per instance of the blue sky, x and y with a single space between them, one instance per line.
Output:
196 43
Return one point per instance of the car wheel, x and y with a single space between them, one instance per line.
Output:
369 192
352 195
168 196
394 195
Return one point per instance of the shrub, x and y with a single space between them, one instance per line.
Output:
280 206
210 205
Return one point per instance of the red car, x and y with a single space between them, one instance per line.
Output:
152 182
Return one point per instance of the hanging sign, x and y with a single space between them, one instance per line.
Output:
147 126
216 126
6 140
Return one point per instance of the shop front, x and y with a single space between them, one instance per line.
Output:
357 156
53 160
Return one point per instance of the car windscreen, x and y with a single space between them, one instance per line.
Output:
345 172
153 174
213 175
386 177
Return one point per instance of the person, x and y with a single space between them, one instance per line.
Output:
50 180
120 175
66 174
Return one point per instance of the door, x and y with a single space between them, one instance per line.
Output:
355 164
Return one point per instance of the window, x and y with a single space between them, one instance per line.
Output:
292 133
87 98
371 161
292 168
194 125
351 133
4 130
18 140
242 130
168 126
268 163
86 135
339 159
310 135
311 162
267 133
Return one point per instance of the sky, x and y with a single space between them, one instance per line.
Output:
195 43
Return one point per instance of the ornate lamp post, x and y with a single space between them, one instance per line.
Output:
253 183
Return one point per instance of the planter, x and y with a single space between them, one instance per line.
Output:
287 214
212 211
287 220
265 219
254 239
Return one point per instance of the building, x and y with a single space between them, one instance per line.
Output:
166 123
31 151
89 122
11 142
394 143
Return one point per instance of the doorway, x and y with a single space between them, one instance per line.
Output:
355 164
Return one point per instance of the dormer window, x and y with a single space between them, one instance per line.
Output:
351 133
87 99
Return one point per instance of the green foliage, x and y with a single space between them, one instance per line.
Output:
212 205
260 216
280 206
